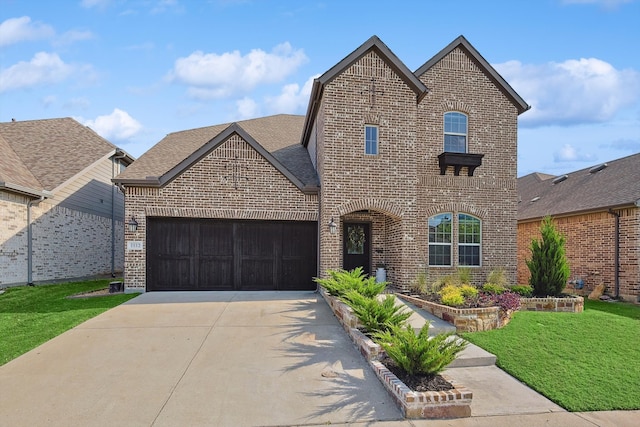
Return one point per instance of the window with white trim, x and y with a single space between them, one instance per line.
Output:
469 238
455 132
440 239
371 139
466 232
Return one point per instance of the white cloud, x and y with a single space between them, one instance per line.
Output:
48 100
568 153
77 103
73 36
44 68
607 4
573 91
100 4
15 30
292 99
118 125
211 75
247 108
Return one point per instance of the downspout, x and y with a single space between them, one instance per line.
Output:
29 240
115 157
617 252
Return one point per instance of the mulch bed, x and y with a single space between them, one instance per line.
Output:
417 382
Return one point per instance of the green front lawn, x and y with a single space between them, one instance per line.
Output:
586 361
30 316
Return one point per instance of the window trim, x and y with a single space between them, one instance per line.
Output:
478 245
366 140
454 244
445 133
450 244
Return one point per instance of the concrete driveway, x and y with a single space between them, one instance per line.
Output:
197 359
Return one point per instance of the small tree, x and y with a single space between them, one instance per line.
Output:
548 264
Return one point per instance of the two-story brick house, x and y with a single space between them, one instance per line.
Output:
416 170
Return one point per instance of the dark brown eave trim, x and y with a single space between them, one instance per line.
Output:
484 65
373 44
604 209
200 153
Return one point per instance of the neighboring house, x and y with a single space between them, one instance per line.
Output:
416 170
61 217
598 211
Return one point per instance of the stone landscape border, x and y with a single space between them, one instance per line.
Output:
464 319
564 304
454 403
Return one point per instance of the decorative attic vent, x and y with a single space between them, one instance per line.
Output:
597 168
559 179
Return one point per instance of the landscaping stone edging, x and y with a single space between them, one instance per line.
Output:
565 304
455 403
464 319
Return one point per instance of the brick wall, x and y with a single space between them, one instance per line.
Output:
232 182
590 249
403 182
67 244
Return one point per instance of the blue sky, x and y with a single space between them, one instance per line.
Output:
135 70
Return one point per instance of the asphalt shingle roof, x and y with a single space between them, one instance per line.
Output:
279 135
617 184
50 151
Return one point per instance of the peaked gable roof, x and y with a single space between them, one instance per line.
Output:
14 174
373 44
463 43
609 185
51 150
276 138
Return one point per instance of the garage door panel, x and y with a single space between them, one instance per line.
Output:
215 273
257 274
216 239
206 254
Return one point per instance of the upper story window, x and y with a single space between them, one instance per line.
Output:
455 132
371 139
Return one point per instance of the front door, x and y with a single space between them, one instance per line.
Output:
356 246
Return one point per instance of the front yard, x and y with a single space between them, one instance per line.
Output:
586 361
30 316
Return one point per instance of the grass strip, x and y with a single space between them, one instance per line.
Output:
30 316
586 361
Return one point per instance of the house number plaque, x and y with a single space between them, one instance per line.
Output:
135 245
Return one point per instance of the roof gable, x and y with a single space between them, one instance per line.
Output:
278 135
54 150
373 44
596 188
212 144
14 174
482 63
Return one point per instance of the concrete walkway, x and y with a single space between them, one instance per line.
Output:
235 359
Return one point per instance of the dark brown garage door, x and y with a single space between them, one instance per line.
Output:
205 254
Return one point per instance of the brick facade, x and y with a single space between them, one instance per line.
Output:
398 189
67 244
211 189
590 250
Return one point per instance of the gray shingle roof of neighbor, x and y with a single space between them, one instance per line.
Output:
279 135
598 187
51 151
14 174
